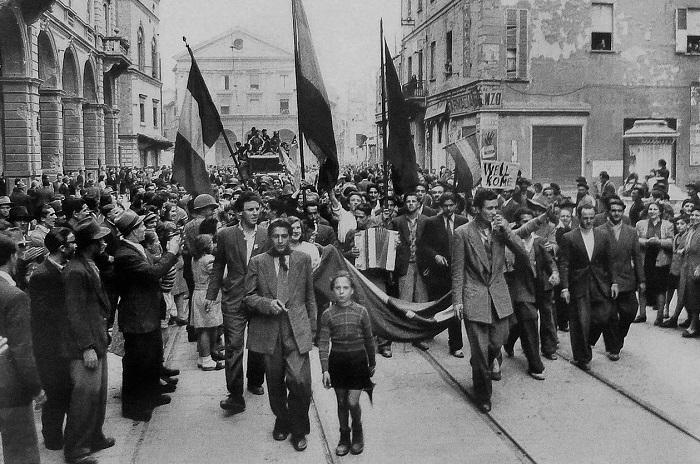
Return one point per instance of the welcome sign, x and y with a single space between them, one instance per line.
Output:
499 174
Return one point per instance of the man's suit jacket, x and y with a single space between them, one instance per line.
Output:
478 283
436 241
50 326
428 211
261 289
586 277
627 257
325 235
87 306
139 288
526 284
663 258
403 251
231 257
19 378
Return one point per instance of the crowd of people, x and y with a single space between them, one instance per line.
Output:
85 262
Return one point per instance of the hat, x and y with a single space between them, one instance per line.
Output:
5 201
19 213
695 185
204 200
127 221
88 229
536 205
105 209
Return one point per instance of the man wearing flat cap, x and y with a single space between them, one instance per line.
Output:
5 206
86 344
139 316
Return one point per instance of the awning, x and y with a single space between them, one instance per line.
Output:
436 110
153 141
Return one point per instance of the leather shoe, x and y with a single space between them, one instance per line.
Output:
509 351
106 442
218 355
280 435
53 445
537 375
550 356
685 324
386 352
421 345
484 406
169 380
138 415
639 319
159 400
457 353
165 372
658 322
168 388
496 376
233 405
87 459
581 365
670 323
688 334
299 443
256 390
613 356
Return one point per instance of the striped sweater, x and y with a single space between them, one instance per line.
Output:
348 328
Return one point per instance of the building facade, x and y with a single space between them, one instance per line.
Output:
556 86
251 81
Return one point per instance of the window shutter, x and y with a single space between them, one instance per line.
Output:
681 30
522 44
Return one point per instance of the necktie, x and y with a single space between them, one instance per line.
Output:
448 225
282 288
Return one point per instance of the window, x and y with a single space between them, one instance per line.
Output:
688 31
284 106
225 109
420 65
155 72
142 108
227 82
516 44
108 29
254 103
156 115
141 49
89 11
419 7
285 80
602 27
409 68
255 81
408 9
448 53
432 60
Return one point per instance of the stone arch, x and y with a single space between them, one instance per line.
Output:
89 83
13 44
48 60
69 75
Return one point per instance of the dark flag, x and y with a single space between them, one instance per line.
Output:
315 120
465 152
199 129
400 150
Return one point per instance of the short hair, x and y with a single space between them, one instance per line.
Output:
683 217
482 196
202 245
446 197
537 186
209 226
604 175
340 275
409 194
293 220
355 192
616 201
72 205
365 208
523 212
310 203
658 205
45 210
56 238
245 197
280 222
7 249
585 206
662 163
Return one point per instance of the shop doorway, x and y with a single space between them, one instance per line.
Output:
556 154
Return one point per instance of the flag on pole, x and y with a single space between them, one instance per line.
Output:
400 150
315 119
465 153
200 127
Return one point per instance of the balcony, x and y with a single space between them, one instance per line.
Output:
116 50
415 89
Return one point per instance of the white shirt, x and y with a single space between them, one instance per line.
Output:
346 222
249 242
588 241
7 277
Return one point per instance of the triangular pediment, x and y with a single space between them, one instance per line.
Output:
252 46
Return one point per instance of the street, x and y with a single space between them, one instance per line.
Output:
641 409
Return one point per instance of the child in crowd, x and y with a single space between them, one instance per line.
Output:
348 368
206 318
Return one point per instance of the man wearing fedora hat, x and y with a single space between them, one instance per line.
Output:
139 316
86 343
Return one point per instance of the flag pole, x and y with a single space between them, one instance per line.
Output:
384 124
300 137
223 132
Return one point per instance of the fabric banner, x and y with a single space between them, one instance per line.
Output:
392 319
465 153
315 119
200 127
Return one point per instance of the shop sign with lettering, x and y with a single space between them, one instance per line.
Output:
482 96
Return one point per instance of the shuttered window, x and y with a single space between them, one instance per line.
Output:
601 27
556 154
688 30
516 44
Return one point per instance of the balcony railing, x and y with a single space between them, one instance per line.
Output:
116 46
415 89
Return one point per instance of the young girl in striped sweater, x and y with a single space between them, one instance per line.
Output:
346 326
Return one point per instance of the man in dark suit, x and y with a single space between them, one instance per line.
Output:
629 263
50 330
87 307
323 234
280 294
410 227
479 290
19 378
589 281
139 316
434 257
236 245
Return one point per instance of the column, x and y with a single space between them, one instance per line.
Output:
73 151
22 141
111 132
51 126
93 132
